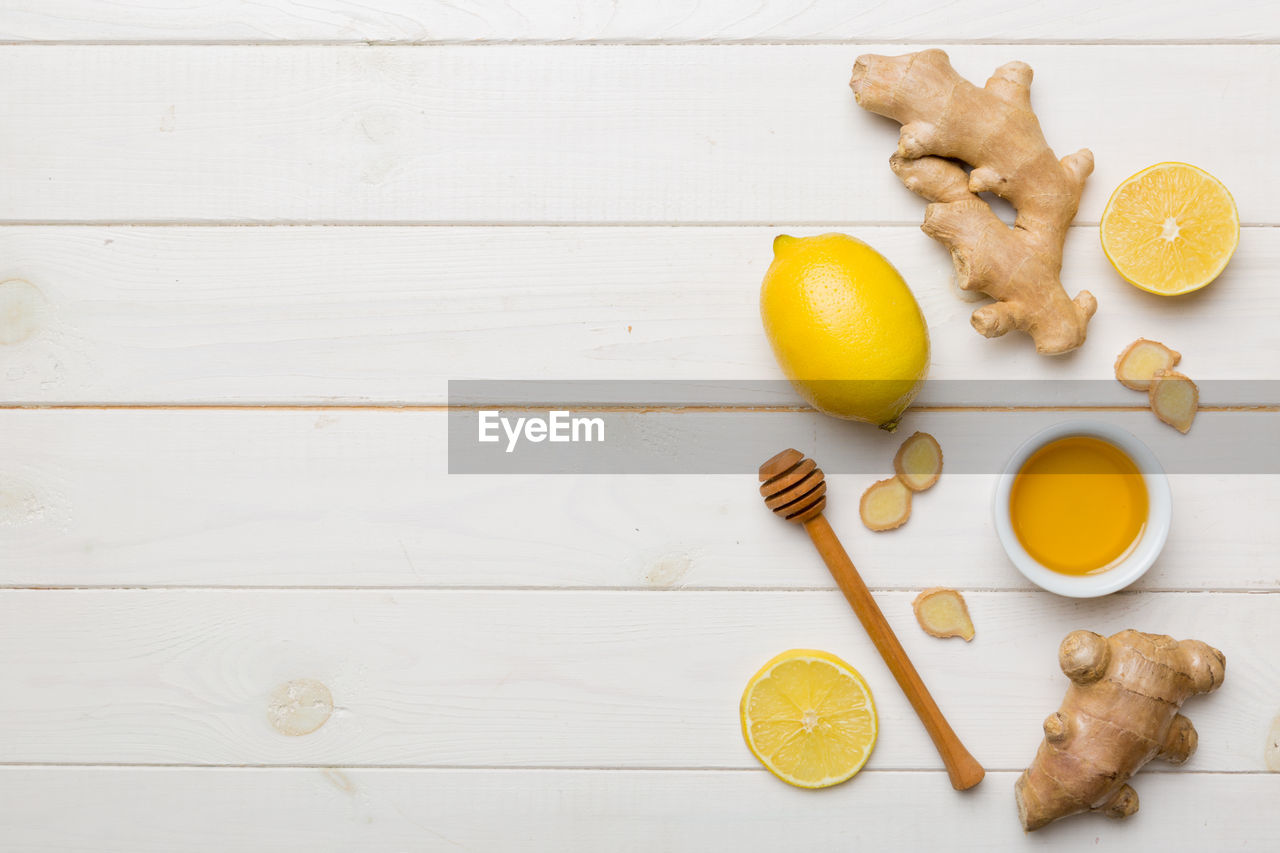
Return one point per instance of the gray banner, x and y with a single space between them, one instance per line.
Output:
593 428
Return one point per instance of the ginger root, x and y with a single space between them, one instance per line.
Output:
946 119
918 461
1174 399
943 613
1141 360
886 504
1121 710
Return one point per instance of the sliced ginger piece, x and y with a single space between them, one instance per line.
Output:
942 612
1141 360
886 504
919 461
1174 399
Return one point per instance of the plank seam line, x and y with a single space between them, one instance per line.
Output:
504 223
516 768
850 42
560 590
638 409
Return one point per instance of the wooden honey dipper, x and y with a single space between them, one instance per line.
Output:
795 488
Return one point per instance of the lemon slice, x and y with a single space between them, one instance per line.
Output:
809 717
1170 229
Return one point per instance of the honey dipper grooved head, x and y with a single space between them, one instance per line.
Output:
793 486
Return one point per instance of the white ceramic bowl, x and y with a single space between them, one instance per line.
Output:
1159 514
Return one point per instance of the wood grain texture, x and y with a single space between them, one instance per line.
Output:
583 683
557 679
546 134
388 315
630 20
158 810
361 498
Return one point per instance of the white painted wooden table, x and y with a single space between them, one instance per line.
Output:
255 239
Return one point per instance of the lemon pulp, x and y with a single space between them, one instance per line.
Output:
1170 229
809 717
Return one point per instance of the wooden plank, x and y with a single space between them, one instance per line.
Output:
558 679
529 134
389 315
630 20
156 810
358 498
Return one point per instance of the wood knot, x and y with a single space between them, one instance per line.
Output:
21 304
299 707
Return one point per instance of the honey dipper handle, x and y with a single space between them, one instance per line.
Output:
963 768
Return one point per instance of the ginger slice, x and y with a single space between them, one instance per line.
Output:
1174 399
886 504
918 461
942 612
1138 364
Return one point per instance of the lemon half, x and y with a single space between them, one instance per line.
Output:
1170 229
810 719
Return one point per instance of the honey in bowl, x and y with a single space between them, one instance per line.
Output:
1078 505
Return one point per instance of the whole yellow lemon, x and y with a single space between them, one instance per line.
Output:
845 327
